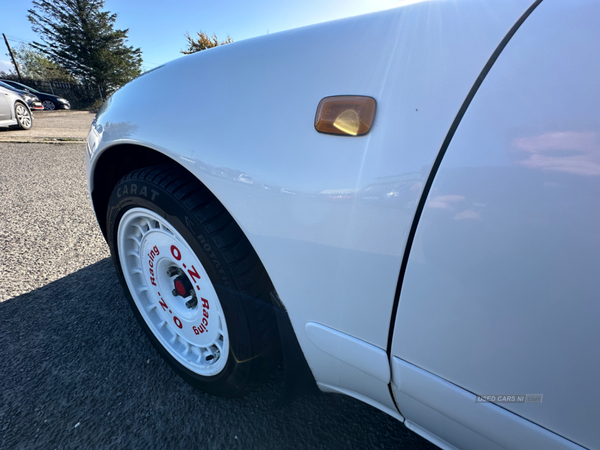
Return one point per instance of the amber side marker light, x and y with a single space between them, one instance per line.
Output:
345 115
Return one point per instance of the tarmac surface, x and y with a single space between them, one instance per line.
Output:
52 127
76 369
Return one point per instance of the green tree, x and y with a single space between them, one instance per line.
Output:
203 42
37 66
80 37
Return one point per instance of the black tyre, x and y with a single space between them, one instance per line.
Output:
193 280
49 105
23 115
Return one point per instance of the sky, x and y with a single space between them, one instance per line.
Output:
159 27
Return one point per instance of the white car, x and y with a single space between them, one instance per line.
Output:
454 282
14 110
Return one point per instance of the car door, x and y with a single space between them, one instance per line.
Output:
500 293
5 108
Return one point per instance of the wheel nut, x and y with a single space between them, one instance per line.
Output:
175 293
172 271
192 303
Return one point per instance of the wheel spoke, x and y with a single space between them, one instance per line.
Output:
142 231
200 359
211 352
219 345
135 238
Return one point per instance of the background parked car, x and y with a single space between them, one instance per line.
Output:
49 101
32 101
14 110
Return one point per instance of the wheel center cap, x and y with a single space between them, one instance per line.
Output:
183 286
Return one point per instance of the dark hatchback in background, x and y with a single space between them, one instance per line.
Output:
49 101
32 100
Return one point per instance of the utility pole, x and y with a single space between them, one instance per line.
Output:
13 58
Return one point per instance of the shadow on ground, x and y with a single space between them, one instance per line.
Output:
77 372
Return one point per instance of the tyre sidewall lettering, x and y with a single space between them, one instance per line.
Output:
132 188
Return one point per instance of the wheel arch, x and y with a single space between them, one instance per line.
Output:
22 102
119 160
113 164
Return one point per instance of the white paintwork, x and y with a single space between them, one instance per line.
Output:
366 399
366 357
451 414
429 436
148 246
501 294
332 262
8 101
5 107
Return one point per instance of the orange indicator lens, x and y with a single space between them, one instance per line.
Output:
345 115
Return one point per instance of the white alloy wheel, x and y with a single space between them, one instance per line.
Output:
23 116
173 292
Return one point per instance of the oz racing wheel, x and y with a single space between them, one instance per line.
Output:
193 280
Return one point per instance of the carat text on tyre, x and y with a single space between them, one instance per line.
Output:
193 280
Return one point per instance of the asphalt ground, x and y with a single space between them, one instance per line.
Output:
52 127
76 370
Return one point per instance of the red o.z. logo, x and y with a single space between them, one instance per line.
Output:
176 253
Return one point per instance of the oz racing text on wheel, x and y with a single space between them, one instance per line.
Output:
193 280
